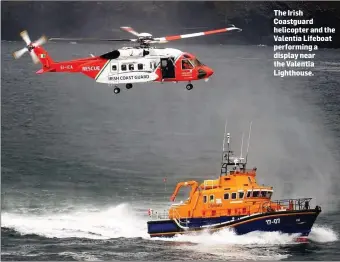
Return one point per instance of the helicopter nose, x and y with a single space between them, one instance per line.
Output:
204 72
210 72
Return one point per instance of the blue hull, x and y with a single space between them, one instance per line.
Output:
291 222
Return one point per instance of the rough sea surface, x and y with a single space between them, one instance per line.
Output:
81 165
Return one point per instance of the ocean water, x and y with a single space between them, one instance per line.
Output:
81 165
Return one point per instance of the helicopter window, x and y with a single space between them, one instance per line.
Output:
211 198
233 195
131 67
195 62
140 66
240 194
164 63
123 67
186 64
204 199
249 194
114 68
226 196
256 194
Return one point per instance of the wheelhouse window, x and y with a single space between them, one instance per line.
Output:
226 196
233 195
263 193
269 194
140 66
240 195
211 198
186 64
123 67
131 67
249 194
256 193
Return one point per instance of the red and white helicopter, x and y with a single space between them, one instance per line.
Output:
128 65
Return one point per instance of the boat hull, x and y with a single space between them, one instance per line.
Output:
290 222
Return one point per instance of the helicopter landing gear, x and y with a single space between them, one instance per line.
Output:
189 86
116 90
128 86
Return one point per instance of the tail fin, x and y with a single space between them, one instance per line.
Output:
43 57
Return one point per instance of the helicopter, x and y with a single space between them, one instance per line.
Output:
127 65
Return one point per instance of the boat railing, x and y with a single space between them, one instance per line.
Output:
208 184
287 204
156 215
250 209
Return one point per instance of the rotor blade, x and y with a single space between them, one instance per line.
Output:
25 37
91 39
34 57
166 39
19 53
42 40
130 30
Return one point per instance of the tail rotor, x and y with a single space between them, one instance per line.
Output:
29 46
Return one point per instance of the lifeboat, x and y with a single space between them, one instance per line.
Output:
234 200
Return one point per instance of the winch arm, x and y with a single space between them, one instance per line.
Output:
193 184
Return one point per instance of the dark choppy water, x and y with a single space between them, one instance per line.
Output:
81 166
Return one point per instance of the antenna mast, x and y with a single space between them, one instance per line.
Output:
241 146
225 130
248 141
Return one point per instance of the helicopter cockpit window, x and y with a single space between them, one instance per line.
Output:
114 68
195 62
131 67
164 63
186 64
123 67
140 66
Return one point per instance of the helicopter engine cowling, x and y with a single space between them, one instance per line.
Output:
125 53
133 52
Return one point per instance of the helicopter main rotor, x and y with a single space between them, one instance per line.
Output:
146 39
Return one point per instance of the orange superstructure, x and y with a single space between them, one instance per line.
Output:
235 193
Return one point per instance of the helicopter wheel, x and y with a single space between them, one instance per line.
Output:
128 86
116 90
189 86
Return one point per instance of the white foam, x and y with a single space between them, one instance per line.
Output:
323 234
123 221
114 222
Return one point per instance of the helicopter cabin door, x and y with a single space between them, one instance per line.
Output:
168 68
113 73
